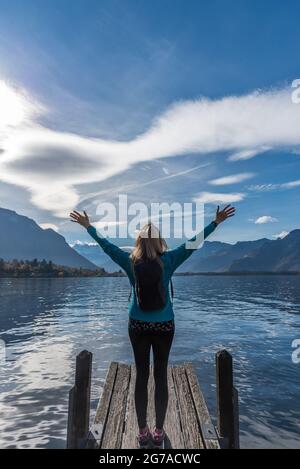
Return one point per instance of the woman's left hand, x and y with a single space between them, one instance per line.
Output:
83 220
222 215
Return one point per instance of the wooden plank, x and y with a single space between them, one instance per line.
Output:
225 400
236 419
83 378
104 403
79 406
131 428
172 423
129 440
113 432
189 423
209 434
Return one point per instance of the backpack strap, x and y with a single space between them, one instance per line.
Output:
130 294
131 286
172 290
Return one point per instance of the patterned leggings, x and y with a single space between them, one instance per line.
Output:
160 338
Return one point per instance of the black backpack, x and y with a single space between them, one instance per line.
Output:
149 288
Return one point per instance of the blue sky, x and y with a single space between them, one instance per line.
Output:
116 70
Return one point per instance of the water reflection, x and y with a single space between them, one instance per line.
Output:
46 322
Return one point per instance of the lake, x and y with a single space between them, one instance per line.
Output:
46 322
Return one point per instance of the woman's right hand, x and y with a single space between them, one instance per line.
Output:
83 220
222 215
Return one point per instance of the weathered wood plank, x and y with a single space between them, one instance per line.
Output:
209 434
226 405
189 423
129 440
236 418
172 422
104 402
79 405
131 426
113 432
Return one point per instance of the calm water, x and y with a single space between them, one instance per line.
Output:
46 322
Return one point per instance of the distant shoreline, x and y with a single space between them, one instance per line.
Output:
187 274
63 276
47 269
121 274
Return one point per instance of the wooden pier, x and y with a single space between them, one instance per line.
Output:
188 423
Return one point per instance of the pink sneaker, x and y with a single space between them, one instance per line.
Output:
158 438
144 439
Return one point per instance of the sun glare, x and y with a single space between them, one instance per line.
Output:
12 106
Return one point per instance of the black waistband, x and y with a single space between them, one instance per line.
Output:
144 326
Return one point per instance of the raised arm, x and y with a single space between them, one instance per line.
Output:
117 254
178 255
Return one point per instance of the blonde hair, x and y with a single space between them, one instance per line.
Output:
149 244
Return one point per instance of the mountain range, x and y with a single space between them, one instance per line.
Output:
280 255
22 238
262 255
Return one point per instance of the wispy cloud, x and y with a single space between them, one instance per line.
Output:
232 179
265 219
274 187
291 184
263 187
247 154
107 223
83 243
280 235
211 198
52 164
129 187
47 226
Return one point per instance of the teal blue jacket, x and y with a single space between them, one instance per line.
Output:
171 259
